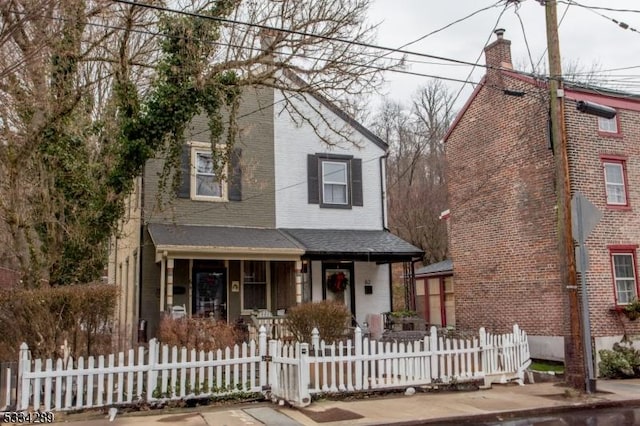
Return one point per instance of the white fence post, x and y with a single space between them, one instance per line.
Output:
23 390
262 352
304 397
357 337
152 382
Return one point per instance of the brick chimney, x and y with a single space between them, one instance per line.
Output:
498 53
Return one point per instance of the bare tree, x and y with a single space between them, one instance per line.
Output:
89 92
416 183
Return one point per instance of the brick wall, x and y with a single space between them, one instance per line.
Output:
502 200
501 194
617 227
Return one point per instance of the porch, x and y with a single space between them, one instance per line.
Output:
228 273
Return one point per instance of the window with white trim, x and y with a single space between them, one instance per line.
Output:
608 125
205 184
624 276
614 179
335 182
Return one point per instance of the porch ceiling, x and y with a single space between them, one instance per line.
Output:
351 244
222 242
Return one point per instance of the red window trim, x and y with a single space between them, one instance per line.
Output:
622 160
614 248
623 249
617 134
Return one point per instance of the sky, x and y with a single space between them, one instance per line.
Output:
587 39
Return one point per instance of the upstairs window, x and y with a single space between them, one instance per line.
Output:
205 183
608 125
198 180
623 265
615 181
334 181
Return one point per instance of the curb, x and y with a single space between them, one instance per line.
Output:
511 415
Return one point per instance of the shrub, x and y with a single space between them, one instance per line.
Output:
620 363
197 333
79 316
329 317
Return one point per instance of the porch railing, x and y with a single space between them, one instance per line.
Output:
275 326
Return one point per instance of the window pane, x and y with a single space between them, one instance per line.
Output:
255 296
335 194
614 179
334 172
624 274
608 124
255 271
208 186
623 264
615 194
204 163
613 173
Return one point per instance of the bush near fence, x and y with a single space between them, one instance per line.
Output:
202 334
46 318
329 317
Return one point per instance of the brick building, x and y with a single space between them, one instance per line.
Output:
503 206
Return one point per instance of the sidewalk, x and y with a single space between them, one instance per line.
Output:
422 408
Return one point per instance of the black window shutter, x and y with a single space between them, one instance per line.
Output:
185 173
235 175
312 179
356 182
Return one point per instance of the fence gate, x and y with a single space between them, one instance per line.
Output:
289 372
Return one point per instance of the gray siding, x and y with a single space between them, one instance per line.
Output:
255 138
150 287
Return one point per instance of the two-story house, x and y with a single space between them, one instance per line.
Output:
295 219
503 223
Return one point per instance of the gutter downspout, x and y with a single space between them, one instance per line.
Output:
383 189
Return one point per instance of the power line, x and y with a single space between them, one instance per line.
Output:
620 24
450 24
301 33
526 41
559 23
477 64
609 9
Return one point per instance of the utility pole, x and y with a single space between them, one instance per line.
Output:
573 345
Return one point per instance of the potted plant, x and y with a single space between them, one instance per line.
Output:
632 310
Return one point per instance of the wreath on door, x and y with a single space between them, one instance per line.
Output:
337 282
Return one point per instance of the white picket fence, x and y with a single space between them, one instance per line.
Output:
288 371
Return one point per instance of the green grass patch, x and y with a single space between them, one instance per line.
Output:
544 365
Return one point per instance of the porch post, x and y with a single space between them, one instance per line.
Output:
298 282
170 282
163 264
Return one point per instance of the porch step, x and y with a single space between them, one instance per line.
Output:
271 417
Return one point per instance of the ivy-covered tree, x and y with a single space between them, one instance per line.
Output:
91 89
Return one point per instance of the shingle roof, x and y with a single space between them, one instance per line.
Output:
440 268
360 244
374 245
219 236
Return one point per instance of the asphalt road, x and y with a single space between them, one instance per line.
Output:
581 417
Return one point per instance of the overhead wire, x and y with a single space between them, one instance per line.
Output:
526 40
592 9
477 62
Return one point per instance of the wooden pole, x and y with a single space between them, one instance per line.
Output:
573 347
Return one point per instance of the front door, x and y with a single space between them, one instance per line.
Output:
338 284
210 293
